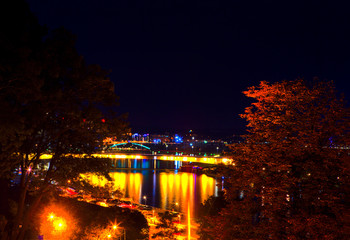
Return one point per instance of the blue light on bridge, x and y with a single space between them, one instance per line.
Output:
137 144
141 146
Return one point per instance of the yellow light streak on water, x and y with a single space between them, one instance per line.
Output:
163 189
204 186
134 186
131 182
177 190
171 188
138 187
188 221
186 189
190 197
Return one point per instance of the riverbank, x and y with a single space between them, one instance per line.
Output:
152 215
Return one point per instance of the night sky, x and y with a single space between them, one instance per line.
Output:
184 64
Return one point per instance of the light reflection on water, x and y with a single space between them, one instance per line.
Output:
166 190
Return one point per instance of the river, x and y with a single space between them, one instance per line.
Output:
165 189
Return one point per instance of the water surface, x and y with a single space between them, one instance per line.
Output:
165 189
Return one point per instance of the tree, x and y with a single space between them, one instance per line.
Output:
102 233
52 102
209 209
291 175
168 230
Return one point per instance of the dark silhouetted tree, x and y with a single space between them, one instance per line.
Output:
51 102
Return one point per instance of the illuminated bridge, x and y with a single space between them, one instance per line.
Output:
132 144
207 160
150 161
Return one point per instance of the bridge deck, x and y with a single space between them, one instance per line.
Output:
208 160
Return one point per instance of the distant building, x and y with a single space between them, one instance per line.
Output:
178 139
140 137
158 138
190 136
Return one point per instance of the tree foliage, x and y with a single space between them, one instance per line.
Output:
52 102
209 209
291 177
167 228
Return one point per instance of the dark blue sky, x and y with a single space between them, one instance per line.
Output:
184 64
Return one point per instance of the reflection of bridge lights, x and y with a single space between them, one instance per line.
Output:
188 221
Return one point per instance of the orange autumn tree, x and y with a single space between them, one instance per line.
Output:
291 177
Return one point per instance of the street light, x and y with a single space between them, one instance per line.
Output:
51 216
59 224
56 223
145 198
